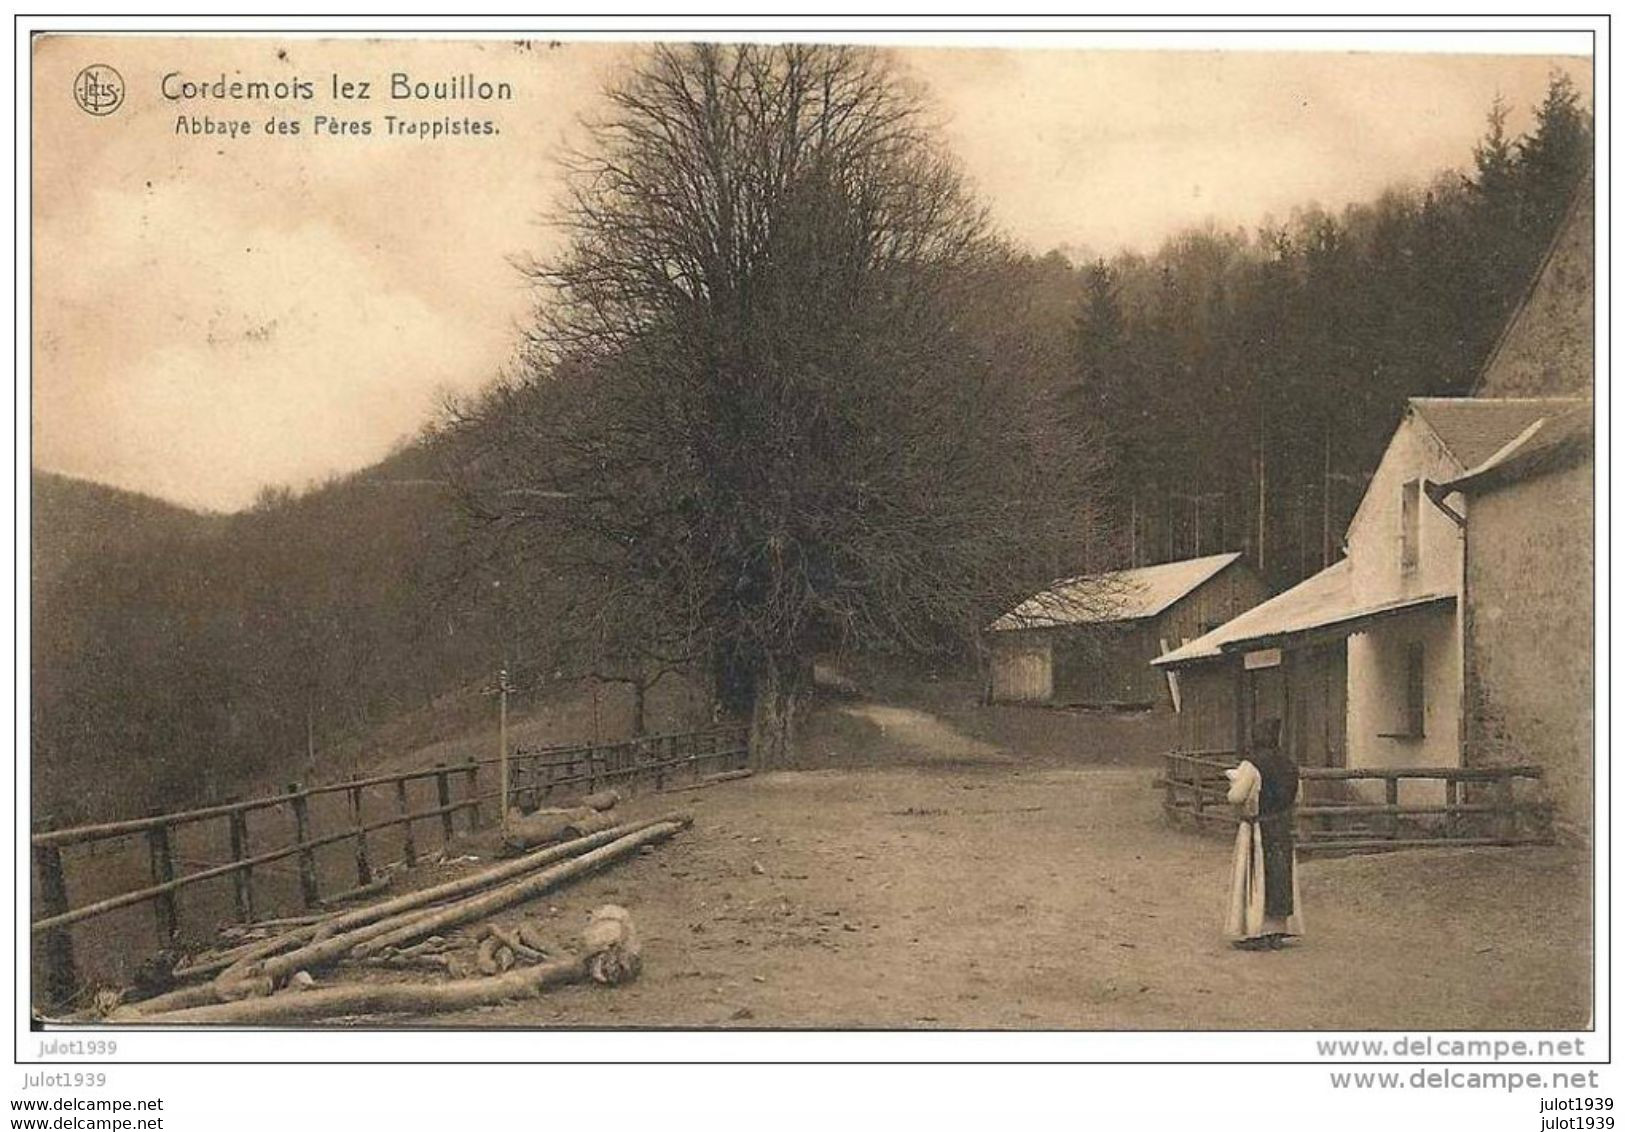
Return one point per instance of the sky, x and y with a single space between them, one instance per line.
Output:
212 314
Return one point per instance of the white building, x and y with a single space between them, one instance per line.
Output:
1364 662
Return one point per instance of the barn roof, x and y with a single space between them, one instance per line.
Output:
1120 595
1324 601
1473 429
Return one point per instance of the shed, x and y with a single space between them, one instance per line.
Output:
1089 640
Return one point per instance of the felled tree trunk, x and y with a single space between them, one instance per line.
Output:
710 780
544 829
485 904
611 955
384 998
368 923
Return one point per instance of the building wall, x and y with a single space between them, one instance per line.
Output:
1108 664
1374 535
1377 698
1207 706
1318 728
1229 593
1377 674
1021 667
1530 627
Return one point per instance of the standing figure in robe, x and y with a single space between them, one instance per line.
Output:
1264 909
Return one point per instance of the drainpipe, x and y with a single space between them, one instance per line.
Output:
1437 493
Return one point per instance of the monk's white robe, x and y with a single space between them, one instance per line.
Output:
1244 910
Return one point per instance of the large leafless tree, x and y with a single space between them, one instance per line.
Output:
782 396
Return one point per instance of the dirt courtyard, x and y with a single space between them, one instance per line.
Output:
972 890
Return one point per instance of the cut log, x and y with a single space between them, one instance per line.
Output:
510 939
291 1007
200 995
372 938
462 886
602 800
613 952
285 922
531 936
486 958
527 888
371 888
320 944
710 780
596 823
544 828
610 957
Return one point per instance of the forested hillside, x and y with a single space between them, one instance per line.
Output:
1249 380
1236 385
178 656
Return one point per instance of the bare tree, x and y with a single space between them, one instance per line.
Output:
780 398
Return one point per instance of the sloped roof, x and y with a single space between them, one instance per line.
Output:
1322 601
1546 346
1120 595
1474 428
1540 446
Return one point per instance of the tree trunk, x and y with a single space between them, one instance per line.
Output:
780 689
639 694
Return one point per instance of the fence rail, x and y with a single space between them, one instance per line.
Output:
1475 805
537 775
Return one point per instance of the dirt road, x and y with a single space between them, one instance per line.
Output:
986 894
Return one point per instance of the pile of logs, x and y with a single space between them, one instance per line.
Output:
273 980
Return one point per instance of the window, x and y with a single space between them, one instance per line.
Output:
1415 690
1412 709
1410 524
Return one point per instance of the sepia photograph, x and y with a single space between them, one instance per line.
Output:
809 532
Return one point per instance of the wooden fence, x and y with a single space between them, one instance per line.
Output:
303 820
1338 814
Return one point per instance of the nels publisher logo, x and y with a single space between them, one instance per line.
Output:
99 90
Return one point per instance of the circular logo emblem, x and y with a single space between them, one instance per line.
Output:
99 90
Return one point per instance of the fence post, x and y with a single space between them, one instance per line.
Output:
1507 822
242 880
473 773
307 858
163 871
409 847
61 976
442 786
363 866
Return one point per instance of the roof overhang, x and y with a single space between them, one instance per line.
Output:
1340 626
1321 627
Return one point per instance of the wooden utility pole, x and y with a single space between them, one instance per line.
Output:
1326 500
502 743
1133 530
1262 498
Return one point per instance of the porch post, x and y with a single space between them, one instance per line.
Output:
1242 743
1289 741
